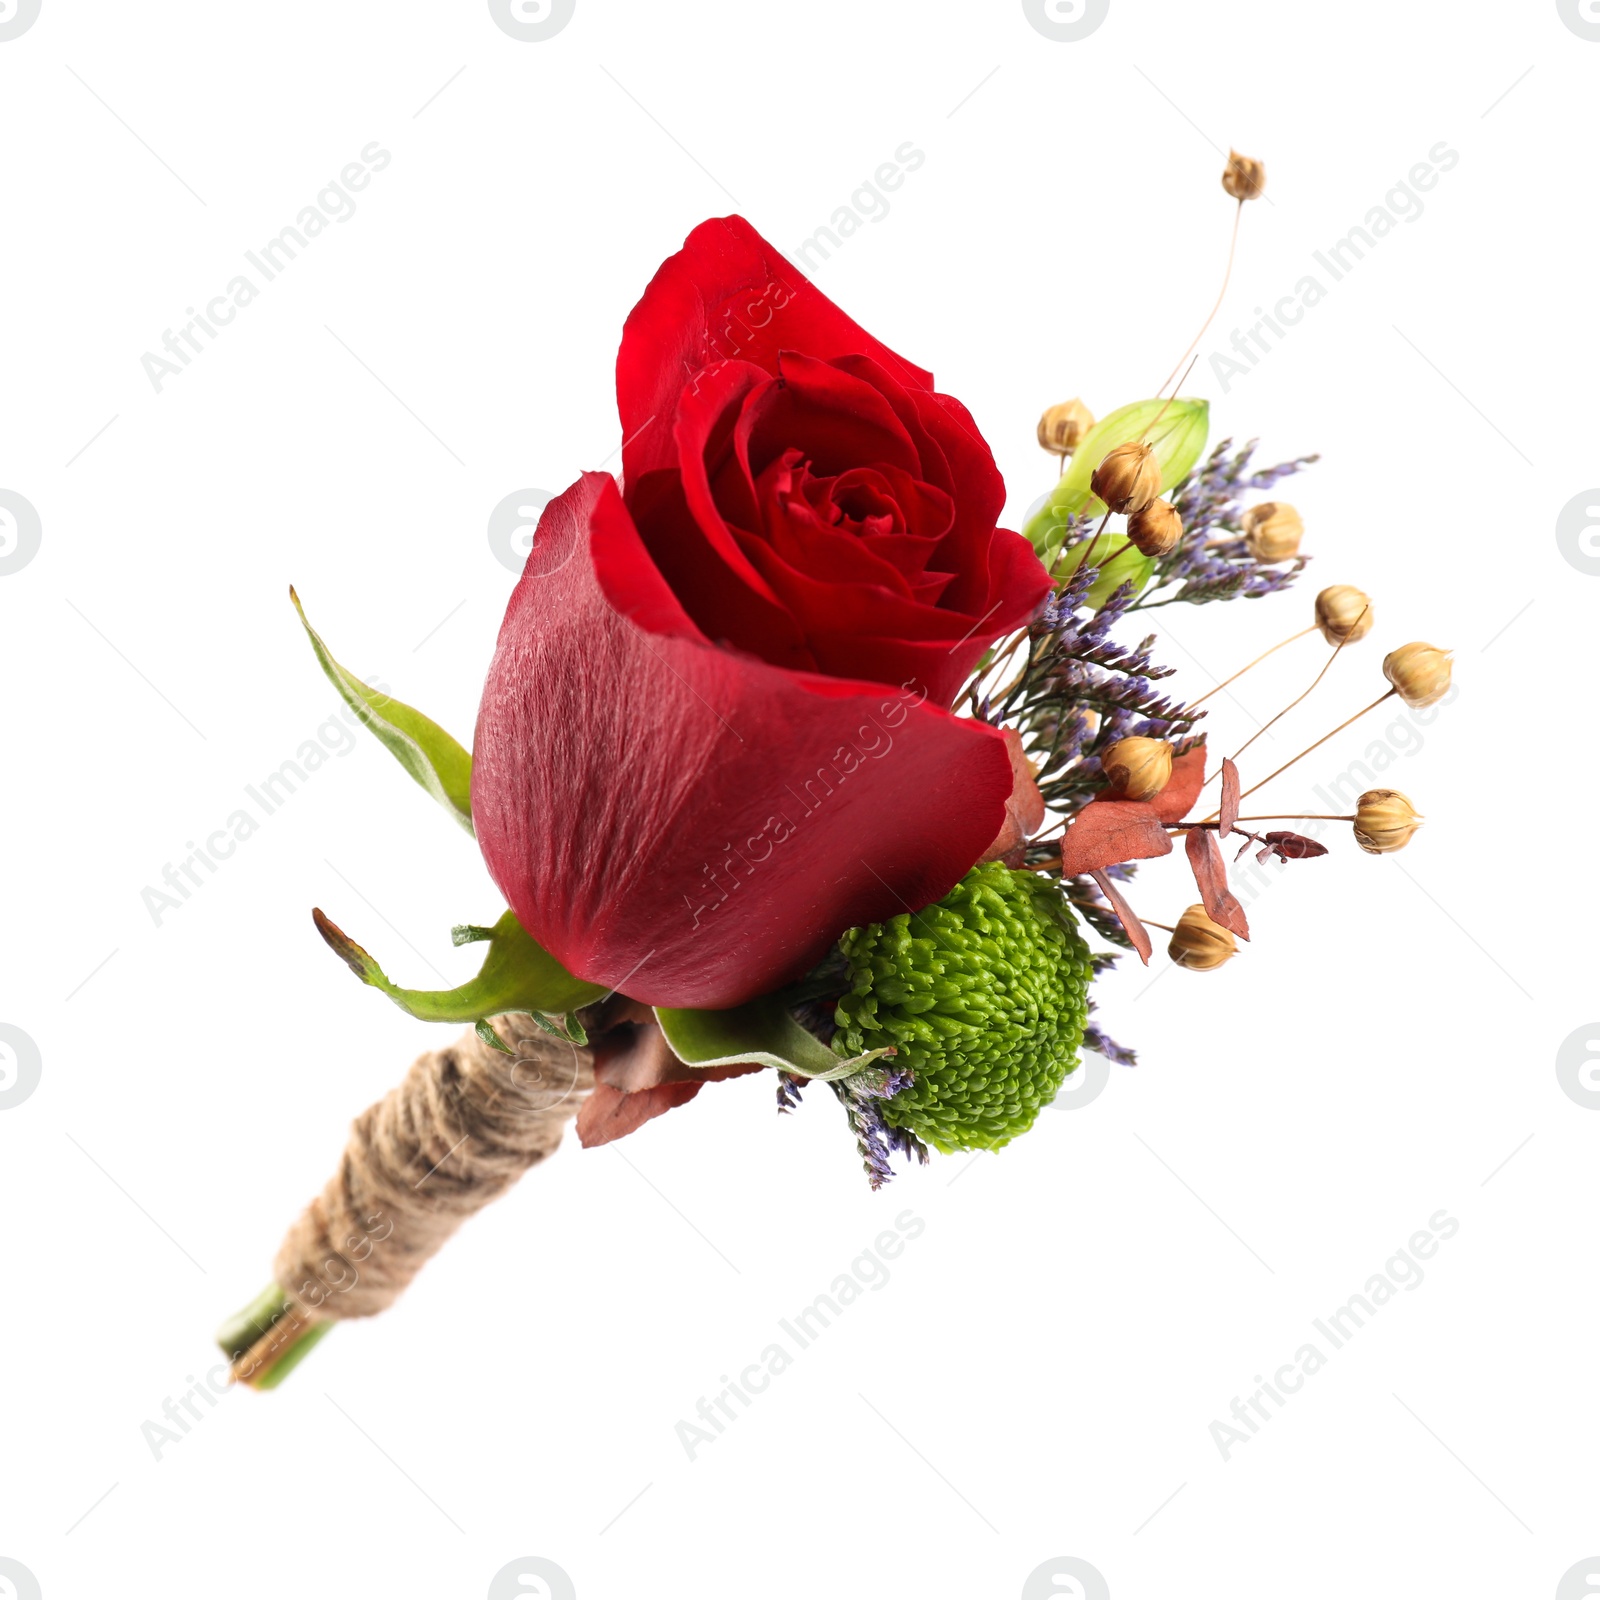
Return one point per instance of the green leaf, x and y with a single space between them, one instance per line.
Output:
761 1031
1174 429
441 765
517 975
484 1029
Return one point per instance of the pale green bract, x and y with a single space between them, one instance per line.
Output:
1174 429
763 1031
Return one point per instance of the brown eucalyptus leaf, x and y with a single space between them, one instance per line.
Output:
1211 875
1107 832
609 1114
637 1077
1228 813
1024 808
1293 846
1131 925
1176 801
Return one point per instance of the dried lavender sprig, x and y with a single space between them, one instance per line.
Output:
862 1095
1205 567
1081 690
1096 1038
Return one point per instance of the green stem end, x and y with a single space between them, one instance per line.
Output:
269 1338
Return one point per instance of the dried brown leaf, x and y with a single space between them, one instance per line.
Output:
638 1078
1292 846
1107 832
1024 807
1131 925
1176 801
1211 875
1228 813
609 1114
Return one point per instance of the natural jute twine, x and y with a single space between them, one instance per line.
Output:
463 1125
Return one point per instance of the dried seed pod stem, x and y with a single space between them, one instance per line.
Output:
1269 816
998 660
1293 703
1095 540
1320 742
1256 663
1211 316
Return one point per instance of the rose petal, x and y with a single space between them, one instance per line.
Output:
726 295
833 418
730 610
954 458
690 826
864 632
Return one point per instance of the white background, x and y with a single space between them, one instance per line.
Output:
1040 1376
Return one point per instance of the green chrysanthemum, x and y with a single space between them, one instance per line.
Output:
984 996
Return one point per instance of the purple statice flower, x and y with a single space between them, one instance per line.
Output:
1096 1038
862 1095
1212 561
1081 690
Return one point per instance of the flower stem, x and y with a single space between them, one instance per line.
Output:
1181 381
1271 816
1256 663
1003 697
1093 542
269 1338
1297 816
999 656
1322 741
1296 701
1233 246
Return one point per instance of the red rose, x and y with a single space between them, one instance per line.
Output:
714 734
